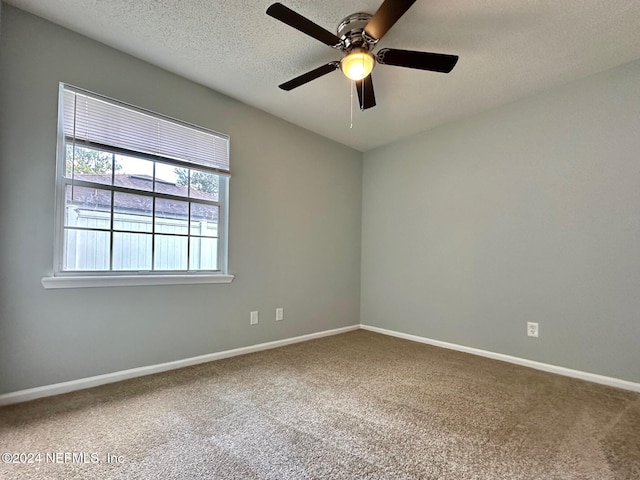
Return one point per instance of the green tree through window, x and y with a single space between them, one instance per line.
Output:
204 182
85 161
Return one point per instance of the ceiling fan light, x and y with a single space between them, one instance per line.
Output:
357 64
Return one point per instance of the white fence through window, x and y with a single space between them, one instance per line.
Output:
88 241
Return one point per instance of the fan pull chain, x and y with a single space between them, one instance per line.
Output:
351 104
362 89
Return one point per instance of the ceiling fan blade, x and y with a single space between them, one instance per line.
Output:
312 75
434 62
386 16
297 21
366 97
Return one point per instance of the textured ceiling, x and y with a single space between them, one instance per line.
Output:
508 49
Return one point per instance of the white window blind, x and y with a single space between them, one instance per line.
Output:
100 121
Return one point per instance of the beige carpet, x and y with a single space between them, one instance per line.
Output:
357 405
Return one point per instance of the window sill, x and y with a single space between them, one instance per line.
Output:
131 281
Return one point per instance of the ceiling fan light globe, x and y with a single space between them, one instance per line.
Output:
357 64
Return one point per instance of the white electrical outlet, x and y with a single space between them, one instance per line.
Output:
254 318
279 314
532 329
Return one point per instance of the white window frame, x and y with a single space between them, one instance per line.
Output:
110 278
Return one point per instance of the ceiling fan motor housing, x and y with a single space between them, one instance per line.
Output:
351 32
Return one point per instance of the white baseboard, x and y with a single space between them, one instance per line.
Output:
567 372
82 383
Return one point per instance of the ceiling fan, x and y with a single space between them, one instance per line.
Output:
357 36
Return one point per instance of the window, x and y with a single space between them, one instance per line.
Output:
138 194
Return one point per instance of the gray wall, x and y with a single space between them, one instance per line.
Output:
530 212
295 212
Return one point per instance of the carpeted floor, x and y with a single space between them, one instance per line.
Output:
357 405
